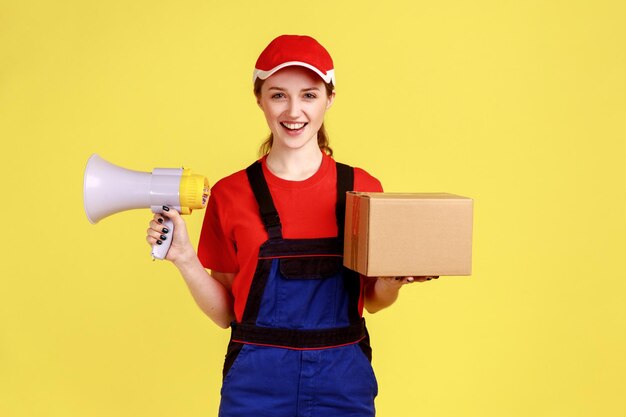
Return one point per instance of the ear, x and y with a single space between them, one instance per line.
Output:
330 100
258 103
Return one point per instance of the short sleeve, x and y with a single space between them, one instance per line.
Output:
216 250
364 182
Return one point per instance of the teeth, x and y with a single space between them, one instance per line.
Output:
293 126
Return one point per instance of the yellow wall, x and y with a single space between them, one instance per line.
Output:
518 104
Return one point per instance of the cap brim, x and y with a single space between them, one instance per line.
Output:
329 77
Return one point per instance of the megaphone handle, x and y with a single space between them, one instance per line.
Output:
160 251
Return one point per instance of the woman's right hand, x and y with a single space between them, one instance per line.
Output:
181 248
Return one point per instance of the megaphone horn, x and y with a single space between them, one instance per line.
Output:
109 189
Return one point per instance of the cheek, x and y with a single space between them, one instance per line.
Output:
269 112
320 112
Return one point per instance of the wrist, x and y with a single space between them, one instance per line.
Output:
186 258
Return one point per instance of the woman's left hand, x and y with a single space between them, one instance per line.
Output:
381 292
406 280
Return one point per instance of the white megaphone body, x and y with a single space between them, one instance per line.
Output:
109 189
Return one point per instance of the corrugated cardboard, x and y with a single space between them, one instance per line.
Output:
419 234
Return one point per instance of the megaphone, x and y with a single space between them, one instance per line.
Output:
109 189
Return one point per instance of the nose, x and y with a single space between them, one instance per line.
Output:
294 110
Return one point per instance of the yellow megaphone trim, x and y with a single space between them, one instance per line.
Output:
193 192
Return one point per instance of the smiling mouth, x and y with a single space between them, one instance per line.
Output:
293 126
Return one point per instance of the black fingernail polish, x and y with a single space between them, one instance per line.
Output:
166 208
160 220
163 237
159 242
166 230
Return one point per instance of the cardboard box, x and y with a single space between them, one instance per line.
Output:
419 234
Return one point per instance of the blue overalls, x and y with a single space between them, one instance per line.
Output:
301 348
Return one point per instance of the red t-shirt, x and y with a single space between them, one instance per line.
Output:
232 231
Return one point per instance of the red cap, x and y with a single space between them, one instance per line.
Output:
290 50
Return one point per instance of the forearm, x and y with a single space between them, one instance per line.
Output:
209 294
380 293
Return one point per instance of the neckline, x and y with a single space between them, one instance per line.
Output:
274 180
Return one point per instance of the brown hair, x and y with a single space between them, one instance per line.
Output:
322 135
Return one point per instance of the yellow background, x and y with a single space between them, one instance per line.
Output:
518 104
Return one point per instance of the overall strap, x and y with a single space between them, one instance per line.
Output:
352 281
268 212
345 183
261 191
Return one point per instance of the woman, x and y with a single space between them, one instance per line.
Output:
272 238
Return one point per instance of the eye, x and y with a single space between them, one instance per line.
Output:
278 96
310 96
